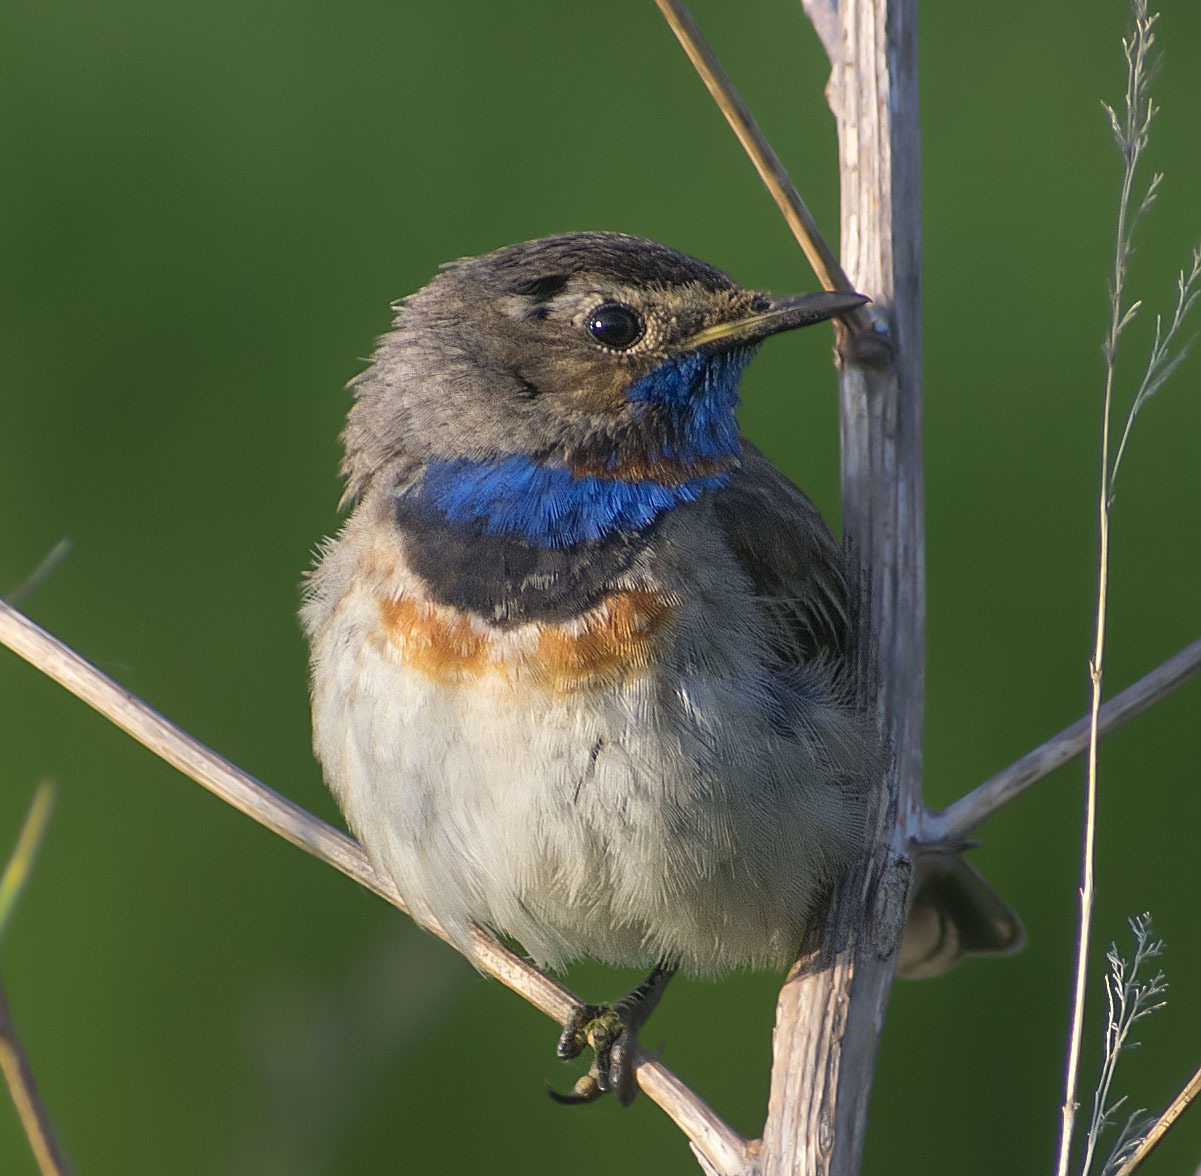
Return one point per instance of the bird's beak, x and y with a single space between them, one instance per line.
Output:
771 313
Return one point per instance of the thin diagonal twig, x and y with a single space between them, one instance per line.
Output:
723 1147
954 823
20 862
14 1062
771 171
31 1110
1192 1088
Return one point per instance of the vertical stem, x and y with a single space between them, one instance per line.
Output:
831 1011
1096 673
1071 1079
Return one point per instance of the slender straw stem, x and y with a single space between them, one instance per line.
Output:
1130 139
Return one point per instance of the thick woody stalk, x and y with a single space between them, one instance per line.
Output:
830 1016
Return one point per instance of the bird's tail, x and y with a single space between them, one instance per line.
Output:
954 913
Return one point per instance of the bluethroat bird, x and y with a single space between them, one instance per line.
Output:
581 655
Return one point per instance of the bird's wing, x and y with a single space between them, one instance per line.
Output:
797 567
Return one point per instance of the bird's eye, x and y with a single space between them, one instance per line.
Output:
616 326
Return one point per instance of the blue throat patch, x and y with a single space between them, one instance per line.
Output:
699 394
548 505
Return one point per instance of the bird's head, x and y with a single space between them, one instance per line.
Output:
599 353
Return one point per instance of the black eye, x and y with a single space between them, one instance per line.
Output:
616 325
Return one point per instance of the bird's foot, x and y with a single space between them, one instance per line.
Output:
612 1041
612 1033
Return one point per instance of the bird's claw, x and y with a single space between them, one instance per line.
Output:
585 1090
611 1038
574 1038
612 1032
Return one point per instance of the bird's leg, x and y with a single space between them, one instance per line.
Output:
612 1032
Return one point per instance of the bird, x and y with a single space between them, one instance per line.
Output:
581 656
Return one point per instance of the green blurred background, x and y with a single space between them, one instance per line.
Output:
205 210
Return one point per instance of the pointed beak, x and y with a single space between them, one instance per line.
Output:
770 314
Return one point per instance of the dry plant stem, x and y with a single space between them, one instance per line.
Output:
30 1109
1117 320
724 1148
14 1064
1087 888
952 826
754 142
831 1012
20 863
1192 1088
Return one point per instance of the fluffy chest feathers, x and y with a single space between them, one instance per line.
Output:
622 766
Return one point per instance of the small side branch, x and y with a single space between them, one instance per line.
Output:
823 15
954 823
